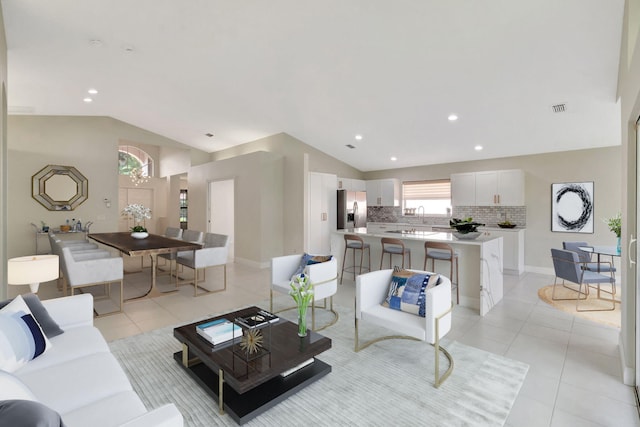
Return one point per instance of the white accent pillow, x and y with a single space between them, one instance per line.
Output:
21 337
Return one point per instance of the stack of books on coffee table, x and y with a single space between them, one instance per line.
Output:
219 331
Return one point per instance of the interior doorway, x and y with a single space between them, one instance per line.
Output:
222 211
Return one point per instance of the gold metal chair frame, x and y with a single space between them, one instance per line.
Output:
107 295
438 379
336 316
196 280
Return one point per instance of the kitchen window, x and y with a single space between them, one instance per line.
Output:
434 196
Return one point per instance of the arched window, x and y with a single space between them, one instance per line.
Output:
134 161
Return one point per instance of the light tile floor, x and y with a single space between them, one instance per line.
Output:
574 377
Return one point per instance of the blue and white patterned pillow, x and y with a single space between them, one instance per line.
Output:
309 260
21 337
407 291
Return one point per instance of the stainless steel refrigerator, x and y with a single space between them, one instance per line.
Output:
352 209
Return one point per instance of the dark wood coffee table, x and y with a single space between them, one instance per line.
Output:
246 393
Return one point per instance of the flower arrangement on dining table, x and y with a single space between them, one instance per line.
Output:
302 293
139 214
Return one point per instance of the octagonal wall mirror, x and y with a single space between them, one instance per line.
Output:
59 188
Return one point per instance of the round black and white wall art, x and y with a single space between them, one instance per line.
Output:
572 207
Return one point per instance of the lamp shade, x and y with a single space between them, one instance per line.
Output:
32 270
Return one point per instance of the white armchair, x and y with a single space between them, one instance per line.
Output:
371 291
323 276
214 253
91 272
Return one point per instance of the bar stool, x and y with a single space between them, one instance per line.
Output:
351 241
443 252
394 247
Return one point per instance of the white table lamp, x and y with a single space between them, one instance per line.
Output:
32 270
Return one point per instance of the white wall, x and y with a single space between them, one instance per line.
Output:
88 143
259 223
3 158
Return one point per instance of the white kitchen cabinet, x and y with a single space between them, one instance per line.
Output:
383 192
488 188
351 184
463 189
322 220
500 188
513 252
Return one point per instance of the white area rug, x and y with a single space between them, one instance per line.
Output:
389 383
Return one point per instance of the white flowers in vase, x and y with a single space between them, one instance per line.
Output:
139 214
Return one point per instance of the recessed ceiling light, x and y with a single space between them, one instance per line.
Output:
359 137
393 159
87 100
452 117
93 91
478 147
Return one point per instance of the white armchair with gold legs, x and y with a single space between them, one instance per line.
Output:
322 275
371 291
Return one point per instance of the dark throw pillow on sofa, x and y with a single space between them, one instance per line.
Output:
48 325
28 413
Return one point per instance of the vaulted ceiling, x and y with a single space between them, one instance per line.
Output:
326 71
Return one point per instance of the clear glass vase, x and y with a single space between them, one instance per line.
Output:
302 321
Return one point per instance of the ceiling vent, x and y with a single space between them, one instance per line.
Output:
559 108
208 134
350 146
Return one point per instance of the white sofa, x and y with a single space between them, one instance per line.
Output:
79 378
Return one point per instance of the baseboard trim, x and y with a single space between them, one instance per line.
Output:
252 263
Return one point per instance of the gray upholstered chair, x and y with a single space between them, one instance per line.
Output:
372 289
585 258
172 233
440 251
91 272
568 267
394 247
214 253
323 276
355 243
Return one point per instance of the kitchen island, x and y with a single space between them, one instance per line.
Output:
481 261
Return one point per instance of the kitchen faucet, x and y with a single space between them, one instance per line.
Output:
421 207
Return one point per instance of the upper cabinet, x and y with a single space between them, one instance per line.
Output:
488 188
351 184
463 189
383 192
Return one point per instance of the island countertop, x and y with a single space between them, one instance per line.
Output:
479 277
425 236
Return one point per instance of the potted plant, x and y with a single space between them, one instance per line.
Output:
615 225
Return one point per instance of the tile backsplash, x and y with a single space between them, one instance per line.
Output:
490 215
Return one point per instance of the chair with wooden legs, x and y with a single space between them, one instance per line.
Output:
355 243
438 251
394 247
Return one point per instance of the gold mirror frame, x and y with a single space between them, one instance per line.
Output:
78 195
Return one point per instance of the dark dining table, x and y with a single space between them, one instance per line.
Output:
153 245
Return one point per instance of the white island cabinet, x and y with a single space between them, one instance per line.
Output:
481 280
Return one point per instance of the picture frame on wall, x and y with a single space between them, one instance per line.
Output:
572 207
